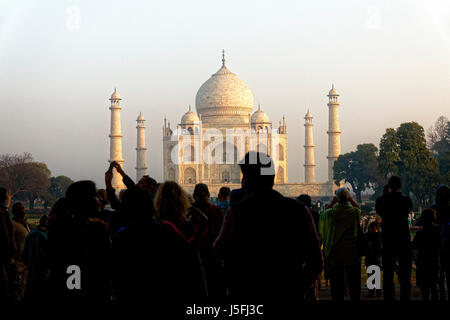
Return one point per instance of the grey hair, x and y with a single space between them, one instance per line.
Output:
343 195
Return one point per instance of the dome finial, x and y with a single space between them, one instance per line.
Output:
259 107
223 58
189 107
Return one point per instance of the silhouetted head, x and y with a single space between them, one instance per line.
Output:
171 203
305 199
201 193
82 200
103 196
147 183
429 217
18 210
395 183
224 194
342 195
443 196
3 196
258 171
43 221
59 212
137 204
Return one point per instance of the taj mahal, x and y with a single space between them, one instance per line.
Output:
207 144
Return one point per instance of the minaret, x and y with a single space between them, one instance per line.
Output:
309 150
334 140
141 168
116 139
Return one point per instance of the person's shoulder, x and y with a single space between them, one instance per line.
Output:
214 207
17 225
356 210
405 197
291 205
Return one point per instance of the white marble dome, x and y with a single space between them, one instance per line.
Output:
260 116
224 98
189 118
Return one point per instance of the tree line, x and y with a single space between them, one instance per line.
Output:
29 180
421 159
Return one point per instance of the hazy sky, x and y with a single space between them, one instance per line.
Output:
60 61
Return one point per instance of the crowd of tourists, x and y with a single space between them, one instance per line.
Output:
153 242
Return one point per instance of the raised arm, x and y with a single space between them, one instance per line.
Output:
129 183
110 191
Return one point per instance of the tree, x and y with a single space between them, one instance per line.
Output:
23 178
358 168
57 189
389 152
437 133
13 174
404 152
439 144
36 183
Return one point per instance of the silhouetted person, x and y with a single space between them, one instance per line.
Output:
213 270
117 219
19 271
6 246
373 256
79 241
394 209
269 242
339 234
110 191
442 208
35 257
427 242
311 294
149 184
153 261
174 206
237 195
224 199
104 213
306 200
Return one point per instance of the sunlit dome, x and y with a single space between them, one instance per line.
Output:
224 98
189 117
260 116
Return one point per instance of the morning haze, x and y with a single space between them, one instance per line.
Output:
60 62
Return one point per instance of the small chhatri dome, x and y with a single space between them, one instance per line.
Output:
308 115
115 95
333 91
190 117
224 98
260 116
140 117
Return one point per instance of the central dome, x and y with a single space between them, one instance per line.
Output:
224 99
